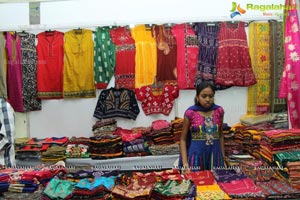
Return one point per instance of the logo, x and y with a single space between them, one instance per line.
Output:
236 10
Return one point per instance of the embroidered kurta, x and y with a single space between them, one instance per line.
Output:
14 71
233 61
79 64
166 54
289 86
50 52
187 55
145 57
125 57
29 67
104 57
259 45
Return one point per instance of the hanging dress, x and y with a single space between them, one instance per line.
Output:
146 56
14 71
50 52
208 51
125 57
259 44
187 55
233 60
29 68
79 64
104 58
166 55
203 141
3 67
290 82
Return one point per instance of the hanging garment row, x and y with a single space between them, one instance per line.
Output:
76 63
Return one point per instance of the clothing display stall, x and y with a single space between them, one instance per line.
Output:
133 78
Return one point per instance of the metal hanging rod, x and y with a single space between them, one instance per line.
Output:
42 27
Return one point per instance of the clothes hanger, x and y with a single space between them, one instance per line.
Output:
78 31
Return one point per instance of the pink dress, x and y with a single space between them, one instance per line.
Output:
14 72
290 82
233 61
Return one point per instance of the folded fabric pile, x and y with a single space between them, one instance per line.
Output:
104 126
278 189
276 141
177 125
54 154
161 132
236 184
294 173
106 146
133 142
78 147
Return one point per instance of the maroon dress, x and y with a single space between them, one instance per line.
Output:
233 61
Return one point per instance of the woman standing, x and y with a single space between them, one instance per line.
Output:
202 142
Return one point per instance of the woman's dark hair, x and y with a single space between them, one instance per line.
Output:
201 86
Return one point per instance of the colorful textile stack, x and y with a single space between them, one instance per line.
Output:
173 189
275 141
230 144
281 121
161 132
257 170
104 126
165 149
139 186
294 173
133 142
236 184
278 189
177 125
31 150
95 188
78 147
106 146
56 150
54 154
21 183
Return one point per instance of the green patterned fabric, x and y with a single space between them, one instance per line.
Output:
276 66
104 57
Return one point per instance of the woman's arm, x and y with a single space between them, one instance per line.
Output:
183 147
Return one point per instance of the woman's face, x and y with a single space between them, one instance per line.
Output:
206 97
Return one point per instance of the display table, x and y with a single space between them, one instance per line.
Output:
123 163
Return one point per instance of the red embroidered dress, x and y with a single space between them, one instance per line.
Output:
187 55
233 61
157 104
125 58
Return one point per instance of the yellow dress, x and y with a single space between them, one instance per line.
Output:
145 57
79 64
259 45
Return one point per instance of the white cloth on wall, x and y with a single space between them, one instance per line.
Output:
7 132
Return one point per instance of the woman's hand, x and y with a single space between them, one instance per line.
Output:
185 169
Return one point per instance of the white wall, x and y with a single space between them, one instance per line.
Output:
75 117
